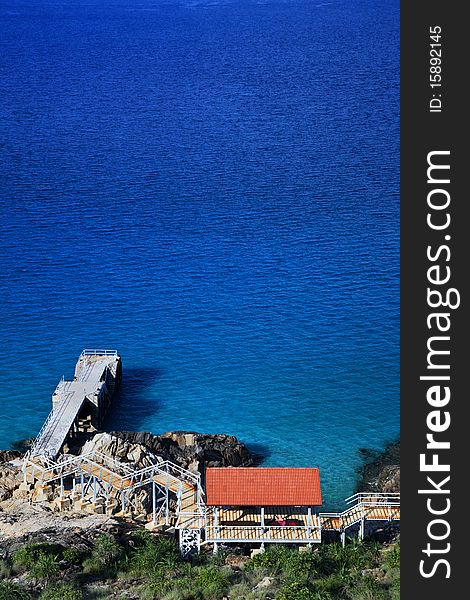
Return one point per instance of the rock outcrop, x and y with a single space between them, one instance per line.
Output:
10 474
380 471
190 450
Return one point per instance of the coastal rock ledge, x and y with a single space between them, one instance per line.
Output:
189 449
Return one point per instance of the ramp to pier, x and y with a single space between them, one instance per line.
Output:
96 374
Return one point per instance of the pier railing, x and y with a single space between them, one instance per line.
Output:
38 439
98 352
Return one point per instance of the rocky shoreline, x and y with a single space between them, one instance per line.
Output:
23 520
380 471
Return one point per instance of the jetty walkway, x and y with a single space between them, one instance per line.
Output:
80 404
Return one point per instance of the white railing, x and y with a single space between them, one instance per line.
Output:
98 352
374 497
267 533
37 440
361 504
100 464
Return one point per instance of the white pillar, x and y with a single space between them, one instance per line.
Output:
154 503
362 529
216 521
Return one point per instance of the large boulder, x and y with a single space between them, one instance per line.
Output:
187 449
192 450
10 473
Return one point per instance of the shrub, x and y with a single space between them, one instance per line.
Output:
13 591
300 565
298 591
368 589
212 581
272 560
45 568
5 569
73 556
106 551
106 556
392 557
61 591
156 557
28 555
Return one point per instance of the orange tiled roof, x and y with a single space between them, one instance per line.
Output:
262 486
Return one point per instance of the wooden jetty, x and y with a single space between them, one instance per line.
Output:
82 403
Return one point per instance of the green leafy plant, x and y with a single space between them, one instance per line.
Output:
212 581
106 551
392 558
45 568
13 591
73 556
28 555
297 591
61 591
156 557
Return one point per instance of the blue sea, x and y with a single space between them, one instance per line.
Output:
211 187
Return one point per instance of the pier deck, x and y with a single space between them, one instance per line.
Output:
96 375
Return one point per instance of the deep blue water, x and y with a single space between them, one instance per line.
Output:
211 188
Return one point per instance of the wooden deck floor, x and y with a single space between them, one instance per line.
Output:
172 483
245 525
118 482
356 513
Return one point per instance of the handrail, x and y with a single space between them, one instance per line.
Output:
41 431
98 352
358 495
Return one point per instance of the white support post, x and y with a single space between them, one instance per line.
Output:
362 529
167 507
74 483
82 485
262 520
94 489
61 488
343 538
216 521
180 496
154 503
309 521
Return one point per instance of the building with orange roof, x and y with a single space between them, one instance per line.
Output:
262 504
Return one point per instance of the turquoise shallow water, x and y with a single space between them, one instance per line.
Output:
211 188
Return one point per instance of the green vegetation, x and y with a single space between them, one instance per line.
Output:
13 591
152 569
